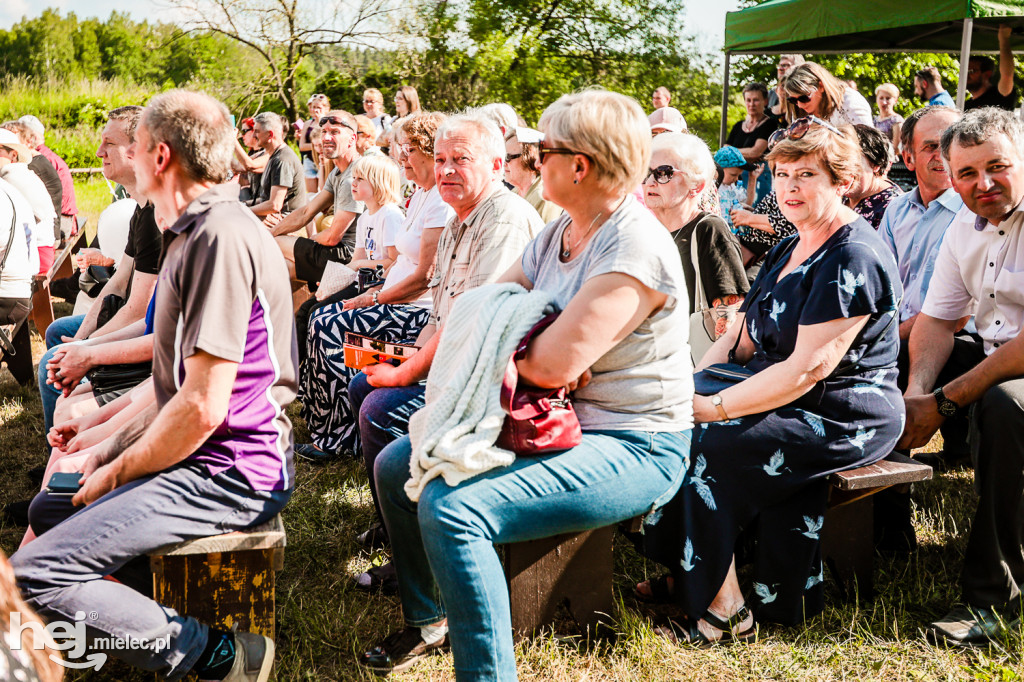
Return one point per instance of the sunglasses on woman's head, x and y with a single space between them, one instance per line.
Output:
662 174
802 99
798 129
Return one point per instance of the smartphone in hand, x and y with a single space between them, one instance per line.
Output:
64 484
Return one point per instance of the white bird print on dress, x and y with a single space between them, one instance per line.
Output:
850 283
777 308
816 423
689 559
815 579
772 468
813 527
862 438
701 484
753 330
874 387
764 592
802 269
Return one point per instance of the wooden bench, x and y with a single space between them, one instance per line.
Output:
223 579
848 536
575 569
63 266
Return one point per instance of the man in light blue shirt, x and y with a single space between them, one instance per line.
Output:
914 224
928 84
913 227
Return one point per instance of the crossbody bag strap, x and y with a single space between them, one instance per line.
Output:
6 344
700 303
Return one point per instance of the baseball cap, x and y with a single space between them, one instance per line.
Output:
11 141
667 119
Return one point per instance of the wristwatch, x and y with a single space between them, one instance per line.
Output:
947 408
716 400
374 295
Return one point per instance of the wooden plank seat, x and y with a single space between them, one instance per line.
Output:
224 579
576 568
63 266
848 536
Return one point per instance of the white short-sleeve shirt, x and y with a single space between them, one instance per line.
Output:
982 265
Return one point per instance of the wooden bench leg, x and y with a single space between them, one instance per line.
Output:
220 588
42 309
848 546
542 574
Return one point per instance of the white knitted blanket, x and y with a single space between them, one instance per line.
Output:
453 435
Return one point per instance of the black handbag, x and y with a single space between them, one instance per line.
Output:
108 378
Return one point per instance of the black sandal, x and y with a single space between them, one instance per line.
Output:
687 632
661 590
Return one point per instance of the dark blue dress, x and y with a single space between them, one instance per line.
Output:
768 471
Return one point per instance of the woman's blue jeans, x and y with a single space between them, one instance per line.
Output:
444 546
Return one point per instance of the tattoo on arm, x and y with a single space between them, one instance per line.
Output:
724 312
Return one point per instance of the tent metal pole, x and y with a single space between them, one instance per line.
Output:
725 102
965 55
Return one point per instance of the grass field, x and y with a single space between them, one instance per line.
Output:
324 623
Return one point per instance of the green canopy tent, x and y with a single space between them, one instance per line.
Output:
841 26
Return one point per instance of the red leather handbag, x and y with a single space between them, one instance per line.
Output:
538 420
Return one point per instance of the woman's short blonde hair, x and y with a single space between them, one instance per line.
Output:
610 129
888 89
839 155
695 162
382 175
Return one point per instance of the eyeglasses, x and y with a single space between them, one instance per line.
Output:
509 158
335 120
662 174
405 149
798 129
802 99
545 151
246 130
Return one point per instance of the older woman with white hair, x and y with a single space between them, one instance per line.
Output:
681 167
619 342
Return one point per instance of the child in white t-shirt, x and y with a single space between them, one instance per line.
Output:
375 183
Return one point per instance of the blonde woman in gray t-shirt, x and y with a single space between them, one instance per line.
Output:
620 342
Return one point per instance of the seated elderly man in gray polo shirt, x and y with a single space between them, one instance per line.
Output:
217 455
980 263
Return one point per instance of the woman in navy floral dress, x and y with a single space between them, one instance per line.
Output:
820 339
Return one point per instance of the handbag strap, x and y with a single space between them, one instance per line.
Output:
511 379
700 303
6 344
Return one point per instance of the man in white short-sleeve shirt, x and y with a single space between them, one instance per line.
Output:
980 263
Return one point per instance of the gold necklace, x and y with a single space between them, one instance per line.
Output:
568 250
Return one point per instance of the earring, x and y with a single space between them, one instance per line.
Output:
575 181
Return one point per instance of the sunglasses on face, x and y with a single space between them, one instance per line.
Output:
798 129
334 120
509 158
246 131
802 99
662 174
546 151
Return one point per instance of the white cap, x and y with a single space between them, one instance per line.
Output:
529 136
11 141
34 124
